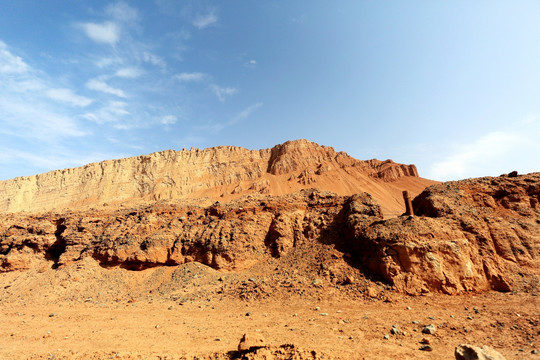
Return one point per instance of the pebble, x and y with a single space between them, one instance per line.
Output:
426 348
386 337
248 313
534 351
251 279
218 339
317 308
170 308
429 329
324 314
52 314
416 322
394 330
408 308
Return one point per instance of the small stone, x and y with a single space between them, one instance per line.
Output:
218 339
408 308
386 337
416 322
425 341
469 352
469 317
251 279
349 279
394 330
248 313
157 326
317 282
534 351
251 340
324 314
52 314
317 308
431 318
429 329
170 308
476 311
426 348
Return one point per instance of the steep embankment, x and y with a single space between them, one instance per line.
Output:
470 235
221 173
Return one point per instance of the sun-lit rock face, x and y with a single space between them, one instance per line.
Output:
219 173
468 236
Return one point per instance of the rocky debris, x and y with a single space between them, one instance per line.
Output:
429 329
470 352
471 235
251 341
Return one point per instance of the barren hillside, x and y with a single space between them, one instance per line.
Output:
221 173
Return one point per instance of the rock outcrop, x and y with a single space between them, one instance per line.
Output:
472 235
220 173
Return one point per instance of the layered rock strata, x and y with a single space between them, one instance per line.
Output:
471 235
221 173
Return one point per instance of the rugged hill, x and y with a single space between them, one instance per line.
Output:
220 173
469 236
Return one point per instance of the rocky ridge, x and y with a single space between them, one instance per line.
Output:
220 173
468 236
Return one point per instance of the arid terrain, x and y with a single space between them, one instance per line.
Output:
307 251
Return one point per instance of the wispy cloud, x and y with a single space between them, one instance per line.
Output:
492 154
154 59
169 120
112 112
66 95
204 21
251 63
106 33
244 114
122 12
45 120
10 63
191 77
130 72
223 92
100 85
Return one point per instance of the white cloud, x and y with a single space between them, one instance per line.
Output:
122 12
238 117
169 120
10 63
130 72
107 32
66 95
26 109
251 63
191 77
493 154
153 59
204 21
100 85
112 112
107 61
223 92
247 111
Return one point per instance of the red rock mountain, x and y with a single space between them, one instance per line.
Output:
219 173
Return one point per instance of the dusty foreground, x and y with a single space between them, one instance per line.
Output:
333 328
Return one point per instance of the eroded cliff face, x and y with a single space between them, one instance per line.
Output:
221 173
472 235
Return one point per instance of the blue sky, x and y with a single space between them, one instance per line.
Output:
451 86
